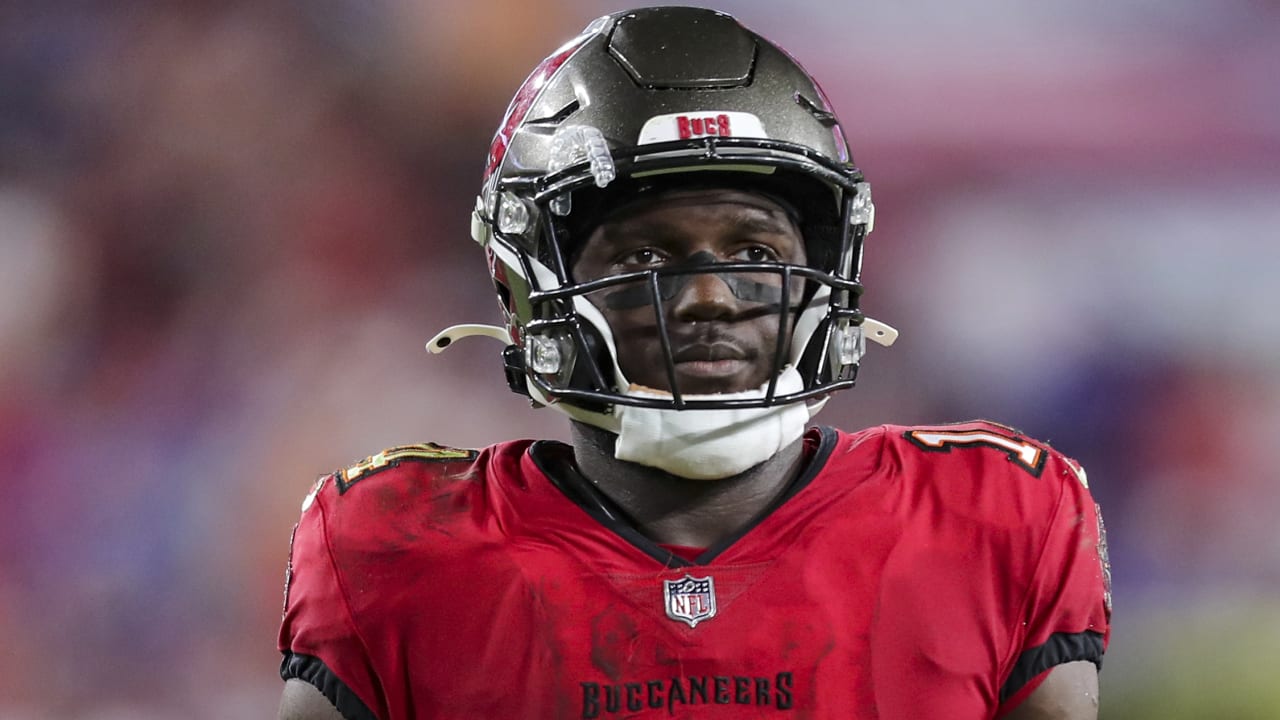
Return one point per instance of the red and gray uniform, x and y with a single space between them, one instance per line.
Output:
907 573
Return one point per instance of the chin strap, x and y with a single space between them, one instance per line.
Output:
875 331
446 337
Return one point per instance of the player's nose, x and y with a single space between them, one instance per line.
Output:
704 296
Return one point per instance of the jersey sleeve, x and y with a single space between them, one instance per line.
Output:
1067 609
318 637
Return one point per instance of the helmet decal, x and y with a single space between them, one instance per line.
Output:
711 123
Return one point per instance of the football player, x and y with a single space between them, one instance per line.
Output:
674 228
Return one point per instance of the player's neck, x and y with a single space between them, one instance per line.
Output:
678 511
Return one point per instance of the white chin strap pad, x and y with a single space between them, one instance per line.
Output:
710 444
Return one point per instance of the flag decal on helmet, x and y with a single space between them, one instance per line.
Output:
713 123
690 599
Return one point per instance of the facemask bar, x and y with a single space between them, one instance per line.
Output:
664 338
571 324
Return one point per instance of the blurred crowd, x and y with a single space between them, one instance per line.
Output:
227 229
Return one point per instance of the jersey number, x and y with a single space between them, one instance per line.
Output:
424 452
1024 454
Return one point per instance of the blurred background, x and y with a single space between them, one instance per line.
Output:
227 229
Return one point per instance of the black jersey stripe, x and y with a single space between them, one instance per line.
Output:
312 670
1058 649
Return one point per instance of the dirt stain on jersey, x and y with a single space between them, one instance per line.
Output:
613 638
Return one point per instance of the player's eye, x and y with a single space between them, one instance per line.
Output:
642 257
756 253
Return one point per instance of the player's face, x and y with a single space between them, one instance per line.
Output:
723 328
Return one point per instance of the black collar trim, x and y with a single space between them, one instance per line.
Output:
555 460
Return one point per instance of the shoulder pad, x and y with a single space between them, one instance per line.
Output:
393 457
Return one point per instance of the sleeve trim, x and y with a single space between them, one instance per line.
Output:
1060 648
313 671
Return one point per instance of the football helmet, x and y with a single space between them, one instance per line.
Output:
640 102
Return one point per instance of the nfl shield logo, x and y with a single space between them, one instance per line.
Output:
690 599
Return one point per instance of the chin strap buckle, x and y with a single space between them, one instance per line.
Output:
514 367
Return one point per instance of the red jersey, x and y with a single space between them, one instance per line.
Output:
908 573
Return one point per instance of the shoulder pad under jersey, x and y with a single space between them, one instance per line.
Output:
395 456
